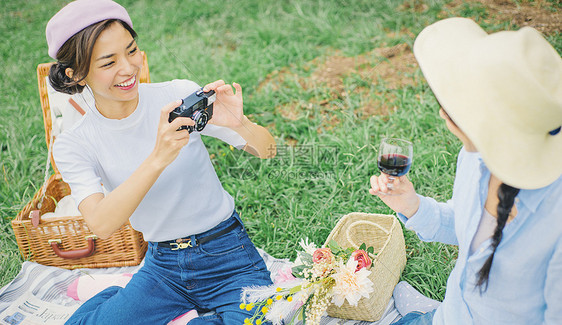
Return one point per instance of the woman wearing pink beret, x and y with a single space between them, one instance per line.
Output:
157 173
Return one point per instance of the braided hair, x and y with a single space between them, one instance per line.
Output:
506 195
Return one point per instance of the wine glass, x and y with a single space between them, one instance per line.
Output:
395 158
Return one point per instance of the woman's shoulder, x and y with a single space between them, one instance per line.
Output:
554 194
79 133
177 88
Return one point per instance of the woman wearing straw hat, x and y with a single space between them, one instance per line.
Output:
501 95
160 178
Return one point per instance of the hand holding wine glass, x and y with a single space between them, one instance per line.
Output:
392 186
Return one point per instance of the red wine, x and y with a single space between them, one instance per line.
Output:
394 164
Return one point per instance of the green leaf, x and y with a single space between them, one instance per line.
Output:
298 269
363 246
334 246
371 250
306 258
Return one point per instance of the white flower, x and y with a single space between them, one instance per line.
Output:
308 247
351 285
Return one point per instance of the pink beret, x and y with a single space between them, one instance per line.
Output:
78 15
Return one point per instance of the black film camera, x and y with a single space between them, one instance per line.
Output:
198 107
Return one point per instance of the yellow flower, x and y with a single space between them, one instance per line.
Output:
264 310
269 301
258 322
249 307
290 298
278 289
278 297
242 306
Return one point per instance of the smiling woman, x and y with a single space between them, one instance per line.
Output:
197 241
74 56
113 70
104 56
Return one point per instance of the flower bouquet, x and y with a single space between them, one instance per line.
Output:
318 277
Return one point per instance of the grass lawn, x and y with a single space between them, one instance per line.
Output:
329 78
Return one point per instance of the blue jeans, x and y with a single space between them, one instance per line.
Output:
416 318
205 277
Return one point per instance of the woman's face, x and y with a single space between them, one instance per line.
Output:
468 146
114 71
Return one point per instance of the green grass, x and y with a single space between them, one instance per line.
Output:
307 187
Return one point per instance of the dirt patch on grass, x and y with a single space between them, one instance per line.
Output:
337 78
389 64
539 14
393 66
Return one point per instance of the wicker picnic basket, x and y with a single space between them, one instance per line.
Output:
384 234
66 241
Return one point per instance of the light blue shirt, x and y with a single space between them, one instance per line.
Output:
525 283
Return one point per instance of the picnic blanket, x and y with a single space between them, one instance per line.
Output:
49 284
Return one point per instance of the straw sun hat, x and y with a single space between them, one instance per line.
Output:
504 91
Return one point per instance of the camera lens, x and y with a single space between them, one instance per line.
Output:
200 118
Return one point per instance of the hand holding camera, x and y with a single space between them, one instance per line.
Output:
228 107
216 100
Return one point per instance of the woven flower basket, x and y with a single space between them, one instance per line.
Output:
66 241
384 234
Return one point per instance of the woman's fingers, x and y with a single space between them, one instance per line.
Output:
225 89
238 89
221 87
374 185
177 122
166 110
181 121
378 185
213 85
381 184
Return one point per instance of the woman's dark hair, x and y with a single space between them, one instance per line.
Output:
76 54
506 195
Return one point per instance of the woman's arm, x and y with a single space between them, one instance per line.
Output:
553 287
431 220
260 142
106 214
228 112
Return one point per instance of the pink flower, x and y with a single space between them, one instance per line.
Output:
362 258
323 255
284 275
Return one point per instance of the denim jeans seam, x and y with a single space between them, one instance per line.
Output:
241 236
239 246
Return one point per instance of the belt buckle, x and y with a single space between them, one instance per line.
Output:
181 245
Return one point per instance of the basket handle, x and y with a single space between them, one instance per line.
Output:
77 253
362 222
35 218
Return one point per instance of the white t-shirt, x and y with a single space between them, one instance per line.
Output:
186 199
